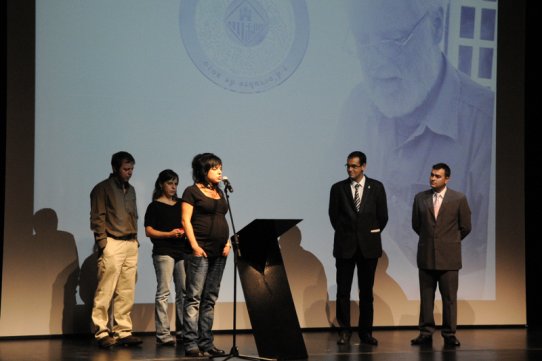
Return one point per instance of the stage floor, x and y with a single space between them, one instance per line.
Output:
485 344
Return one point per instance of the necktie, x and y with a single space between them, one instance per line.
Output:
436 204
357 199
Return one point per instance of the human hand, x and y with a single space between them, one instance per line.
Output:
199 252
177 233
226 249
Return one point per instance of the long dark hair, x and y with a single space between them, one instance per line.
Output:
164 176
201 164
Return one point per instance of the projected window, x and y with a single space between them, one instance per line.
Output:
472 39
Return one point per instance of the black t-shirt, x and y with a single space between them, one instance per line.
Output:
208 220
164 217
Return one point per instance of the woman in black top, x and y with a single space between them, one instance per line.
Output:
204 220
163 225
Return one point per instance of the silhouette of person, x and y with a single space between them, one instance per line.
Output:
57 260
309 289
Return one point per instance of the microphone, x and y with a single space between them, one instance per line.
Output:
227 184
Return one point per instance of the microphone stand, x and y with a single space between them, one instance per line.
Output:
234 352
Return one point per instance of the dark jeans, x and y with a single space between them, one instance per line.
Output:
203 276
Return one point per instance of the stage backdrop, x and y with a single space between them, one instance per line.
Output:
282 91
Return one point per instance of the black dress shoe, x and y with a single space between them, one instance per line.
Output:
368 339
422 340
344 338
451 341
213 351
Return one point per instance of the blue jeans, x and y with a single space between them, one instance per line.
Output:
166 268
203 276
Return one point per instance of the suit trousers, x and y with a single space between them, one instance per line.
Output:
117 267
366 268
448 284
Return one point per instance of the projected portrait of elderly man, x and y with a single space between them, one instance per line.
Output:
411 109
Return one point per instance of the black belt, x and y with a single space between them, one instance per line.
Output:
123 238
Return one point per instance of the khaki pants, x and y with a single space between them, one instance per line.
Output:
117 267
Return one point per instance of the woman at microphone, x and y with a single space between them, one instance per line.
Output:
204 211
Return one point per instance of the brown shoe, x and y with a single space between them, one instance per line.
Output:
107 342
195 352
129 341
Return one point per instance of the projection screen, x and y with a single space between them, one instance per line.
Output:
282 91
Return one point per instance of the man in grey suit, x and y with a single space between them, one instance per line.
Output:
442 219
358 213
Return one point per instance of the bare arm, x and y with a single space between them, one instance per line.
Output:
153 233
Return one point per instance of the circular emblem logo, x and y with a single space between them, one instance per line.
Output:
246 46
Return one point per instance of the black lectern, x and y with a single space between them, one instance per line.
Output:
267 293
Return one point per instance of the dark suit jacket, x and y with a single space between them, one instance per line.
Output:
353 229
439 245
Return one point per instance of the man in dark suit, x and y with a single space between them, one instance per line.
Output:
442 219
358 213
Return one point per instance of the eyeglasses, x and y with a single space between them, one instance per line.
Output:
353 166
392 46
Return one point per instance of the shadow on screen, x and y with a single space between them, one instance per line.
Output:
55 263
307 279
